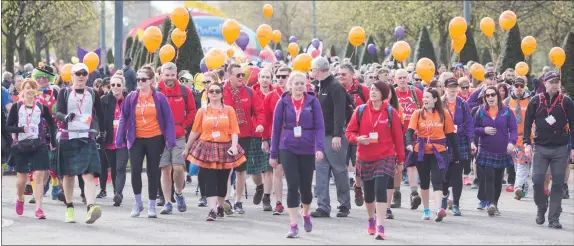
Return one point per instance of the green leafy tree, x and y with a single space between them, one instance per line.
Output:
568 67
424 47
365 57
333 51
469 52
511 53
190 53
129 44
135 48
110 56
485 56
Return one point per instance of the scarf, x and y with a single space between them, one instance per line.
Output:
235 94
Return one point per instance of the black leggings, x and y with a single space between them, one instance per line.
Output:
151 149
453 178
376 187
299 175
216 181
511 175
104 164
201 182
429 171
490 183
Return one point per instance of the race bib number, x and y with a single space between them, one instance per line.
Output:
297 131
550 119
216 134
374 136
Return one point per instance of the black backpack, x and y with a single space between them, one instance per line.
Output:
350 106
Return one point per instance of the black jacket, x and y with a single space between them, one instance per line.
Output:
549 135
130 76
108 110
331 94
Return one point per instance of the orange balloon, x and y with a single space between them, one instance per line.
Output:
267 11
487 26
425 69
477 71
178 37
302 63
92 61
458 44
401 51
357 36
230 30
557 56
152 38
264 34
179 17
528 45
166 53
293 49
215 58
276 36
507 20
66 72
230 52
521 68
460 39
457 26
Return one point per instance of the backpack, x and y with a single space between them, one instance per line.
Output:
415 97
183 94
361 109
542 100
350 106
359 92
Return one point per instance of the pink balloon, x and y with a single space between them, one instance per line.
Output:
315 53
266 55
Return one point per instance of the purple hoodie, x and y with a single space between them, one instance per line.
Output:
473 100
311 122
506 130
127 127
464 123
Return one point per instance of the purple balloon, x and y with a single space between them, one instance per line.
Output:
279 54
316 43
387 51
292 39
371 49
399 32
243 40
203 66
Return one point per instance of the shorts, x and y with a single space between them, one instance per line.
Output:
391 183
245 144
36 161
173 156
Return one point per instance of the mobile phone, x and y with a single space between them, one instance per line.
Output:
229 152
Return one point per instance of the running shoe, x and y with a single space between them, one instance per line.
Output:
343 212
93 214
359 199
227 207
293 232
220 212
466 181
456 210
40 214
555 225
491 210
61 196
83 198
278 208
258 194
28 190
202 202
307 225
320 213
188 179
415 200
396 199
565 192
32 200
406 180
160 201
180 203
510 188
118 197
267 203
102 194
518 194
136 210
474 185
167 208
482 205
389 214
444 202
151 212
211 216
19 207
238 208
380 233
441 213
70 215
372 227
55 190
426 214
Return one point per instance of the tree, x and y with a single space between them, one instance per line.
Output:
568 67
485 56
110 56
469 52
512 53
332 51
190 53
129 43
365 57
424 47
135 48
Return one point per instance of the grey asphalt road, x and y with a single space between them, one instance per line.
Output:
515 226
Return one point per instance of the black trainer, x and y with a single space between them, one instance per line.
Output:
415 200
343 211
267 203
211 216
258 194
118 199
565 192
540 216
160 201
396 199
320 213
102 194
555 225
220 212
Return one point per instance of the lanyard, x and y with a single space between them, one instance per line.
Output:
376 122
298 111
81 102
143 106
28 115
216 120
428 125
549 109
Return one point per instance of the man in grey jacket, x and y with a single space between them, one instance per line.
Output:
129 75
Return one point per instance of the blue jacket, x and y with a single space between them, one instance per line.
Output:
506 130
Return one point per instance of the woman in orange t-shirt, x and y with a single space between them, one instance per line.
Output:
433 126
216 151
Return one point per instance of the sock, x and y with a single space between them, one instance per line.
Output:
152 203
414 189
70 205
89 206
138 199
398 189
267 195
180 194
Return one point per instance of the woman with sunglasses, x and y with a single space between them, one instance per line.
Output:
297 138
464 91
146 123
434 127
117 156
213 145
464 128
495 126
26 119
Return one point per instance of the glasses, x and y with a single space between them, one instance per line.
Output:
216 91
418 80
402 77
465 87
490 95
183 81
143 80
206 82
342 74
518 86
240 75
371 77
41 77
115 85
282 76
265 77
81 73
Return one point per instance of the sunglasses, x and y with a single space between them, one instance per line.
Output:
115 85
418 80
216 91
81 73
143 80
371 77
206 82
41 77
282 76
240 75
342 74
518 86
490 95
465 87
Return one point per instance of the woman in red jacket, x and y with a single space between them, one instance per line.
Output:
379 138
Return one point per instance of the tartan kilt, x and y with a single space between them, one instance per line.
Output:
501 160
257 161
369 170
214 155
77 156
463 148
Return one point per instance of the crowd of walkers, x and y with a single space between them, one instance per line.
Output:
367 129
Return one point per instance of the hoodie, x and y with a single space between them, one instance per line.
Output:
183 116
506 130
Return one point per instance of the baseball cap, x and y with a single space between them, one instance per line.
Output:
490 75
551 76
519 80
187 76
451 81
79 67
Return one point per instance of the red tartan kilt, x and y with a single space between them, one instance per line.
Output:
214 155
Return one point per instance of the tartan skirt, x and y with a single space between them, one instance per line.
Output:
369 170
257 161
214 155
78 156
463 148
501 160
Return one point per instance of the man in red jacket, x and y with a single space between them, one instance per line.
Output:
250 117
183 111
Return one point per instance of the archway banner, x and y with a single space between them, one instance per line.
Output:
204 7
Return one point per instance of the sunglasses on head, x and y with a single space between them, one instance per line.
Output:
206 82
465 87
81 73
240 75
142 80
282 76
115 85
490 95
216 91
518 86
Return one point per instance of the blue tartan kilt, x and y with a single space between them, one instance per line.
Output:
463 148
501 160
